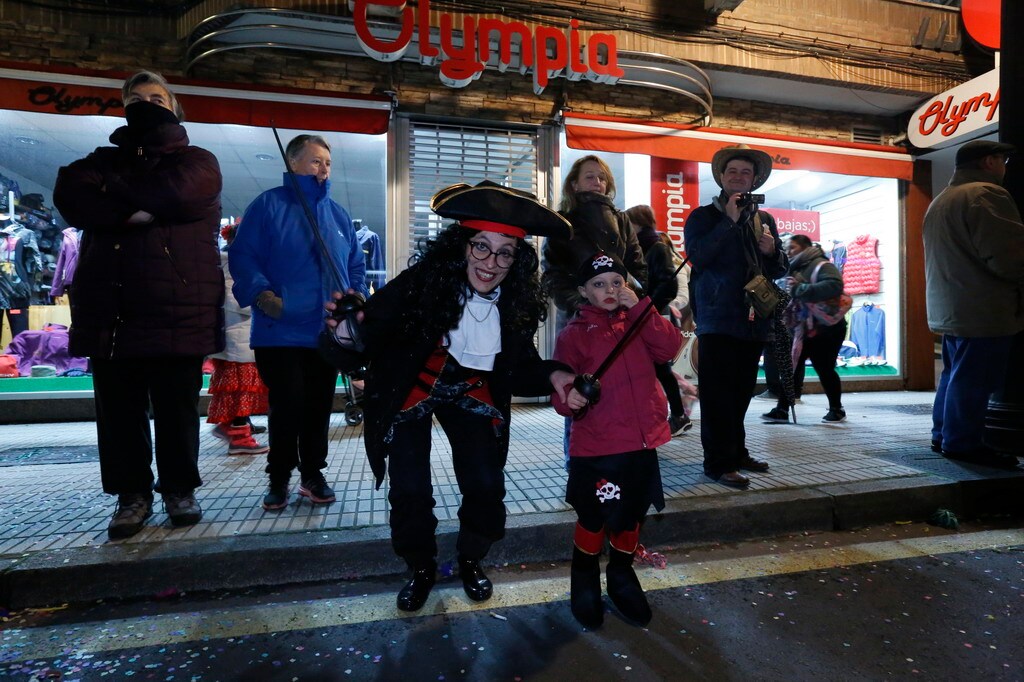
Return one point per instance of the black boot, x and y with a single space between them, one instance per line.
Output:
585 589
414 595
624 588
478 586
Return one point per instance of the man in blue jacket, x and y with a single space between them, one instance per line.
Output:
728 242
279 268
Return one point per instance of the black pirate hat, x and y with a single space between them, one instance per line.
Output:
493 208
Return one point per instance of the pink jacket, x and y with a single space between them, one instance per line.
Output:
632 412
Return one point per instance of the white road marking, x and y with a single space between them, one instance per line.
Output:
78 639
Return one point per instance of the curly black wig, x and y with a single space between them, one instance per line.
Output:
438 271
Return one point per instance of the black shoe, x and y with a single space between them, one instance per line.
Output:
478 586
276 497
317 490
834 416
984 456
679 425
585 589
937 445
624 588
750 464
414 595
253 428
776 415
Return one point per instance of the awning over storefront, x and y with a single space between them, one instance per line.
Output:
665 140
80 92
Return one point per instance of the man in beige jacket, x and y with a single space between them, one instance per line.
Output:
974 273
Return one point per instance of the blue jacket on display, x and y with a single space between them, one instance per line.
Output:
275 250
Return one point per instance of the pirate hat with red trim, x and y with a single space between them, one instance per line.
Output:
493 208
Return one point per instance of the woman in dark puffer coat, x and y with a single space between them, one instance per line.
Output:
147 299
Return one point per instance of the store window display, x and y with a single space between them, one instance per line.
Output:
855 220
36 145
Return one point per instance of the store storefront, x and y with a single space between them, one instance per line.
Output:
846 197
490 114
50 118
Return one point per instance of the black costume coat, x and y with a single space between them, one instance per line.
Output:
395 360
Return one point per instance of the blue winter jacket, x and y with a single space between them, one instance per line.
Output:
274 249
715 246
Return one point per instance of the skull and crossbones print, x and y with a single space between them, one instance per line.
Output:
607 491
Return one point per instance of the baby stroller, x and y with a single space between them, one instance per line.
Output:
353 398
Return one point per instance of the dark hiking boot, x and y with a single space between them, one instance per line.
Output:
132 511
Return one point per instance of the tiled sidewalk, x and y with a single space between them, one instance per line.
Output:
53 506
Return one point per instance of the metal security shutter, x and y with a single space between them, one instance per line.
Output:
443 154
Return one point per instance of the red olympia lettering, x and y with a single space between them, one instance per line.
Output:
464 50
947 117
46 95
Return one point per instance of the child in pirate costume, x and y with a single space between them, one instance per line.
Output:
613 464
452 336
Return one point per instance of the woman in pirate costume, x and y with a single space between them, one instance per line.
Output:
452 337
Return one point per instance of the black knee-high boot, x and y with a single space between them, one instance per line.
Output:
585 589
624 588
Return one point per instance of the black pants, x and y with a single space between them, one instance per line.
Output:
822 349
17 315
727 367
663 371
300 386
479 461
123 391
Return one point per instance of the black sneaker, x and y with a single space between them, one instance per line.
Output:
183 509
130 515
276 497
776 415
678 425
317 490
834 416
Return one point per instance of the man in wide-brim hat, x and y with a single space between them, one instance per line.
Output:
761 160
729 241
452 337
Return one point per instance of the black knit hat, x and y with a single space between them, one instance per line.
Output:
493 208
598 264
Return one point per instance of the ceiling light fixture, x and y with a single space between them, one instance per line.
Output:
27 140
264 157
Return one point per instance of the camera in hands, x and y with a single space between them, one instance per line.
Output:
747 198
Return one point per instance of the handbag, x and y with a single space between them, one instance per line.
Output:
763 295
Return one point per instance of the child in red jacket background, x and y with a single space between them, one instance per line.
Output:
613 464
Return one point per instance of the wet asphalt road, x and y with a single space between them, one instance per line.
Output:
894 602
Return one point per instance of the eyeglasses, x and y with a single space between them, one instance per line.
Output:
481 251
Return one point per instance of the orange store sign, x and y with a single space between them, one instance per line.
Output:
464 51
969 110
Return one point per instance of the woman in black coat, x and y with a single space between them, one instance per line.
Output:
452 337
148 295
